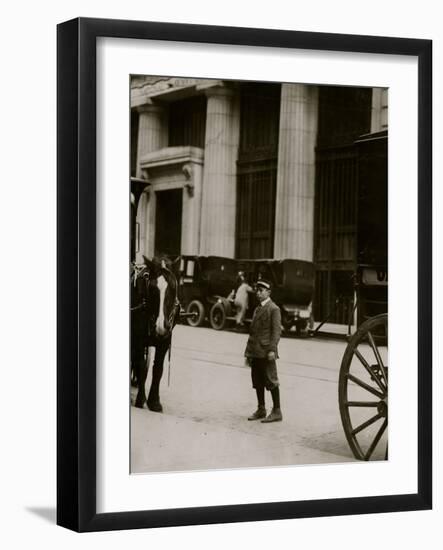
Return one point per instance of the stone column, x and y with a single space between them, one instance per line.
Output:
379 114
144 231
220 172
152 135
294 215
152 131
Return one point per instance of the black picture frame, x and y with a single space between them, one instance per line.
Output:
76 265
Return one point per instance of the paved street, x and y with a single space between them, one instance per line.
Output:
204 424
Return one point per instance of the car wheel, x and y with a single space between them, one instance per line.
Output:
217 316
197 308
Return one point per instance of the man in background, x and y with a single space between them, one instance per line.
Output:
241 300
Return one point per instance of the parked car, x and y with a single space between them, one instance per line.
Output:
205 283
293 288
202 279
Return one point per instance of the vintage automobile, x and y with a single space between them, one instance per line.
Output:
293 287
202 279
205 282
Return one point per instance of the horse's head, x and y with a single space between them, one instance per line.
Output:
139 285
163 286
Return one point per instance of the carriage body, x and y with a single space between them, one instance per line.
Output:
363 378
372 228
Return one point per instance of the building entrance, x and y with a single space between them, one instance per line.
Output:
168 222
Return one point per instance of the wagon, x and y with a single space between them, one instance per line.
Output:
293 287
363 378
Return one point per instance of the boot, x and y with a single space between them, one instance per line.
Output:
259 413
274 416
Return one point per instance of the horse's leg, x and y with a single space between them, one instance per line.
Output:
142 373
133 372
157 371
134 364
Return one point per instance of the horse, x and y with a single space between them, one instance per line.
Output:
154 312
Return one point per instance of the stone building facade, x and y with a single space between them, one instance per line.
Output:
249 170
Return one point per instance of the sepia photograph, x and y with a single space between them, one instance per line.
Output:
258 274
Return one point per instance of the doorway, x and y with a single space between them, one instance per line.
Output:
168 222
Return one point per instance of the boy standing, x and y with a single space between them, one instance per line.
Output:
261 353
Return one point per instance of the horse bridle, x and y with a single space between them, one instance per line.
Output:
142 270
175 305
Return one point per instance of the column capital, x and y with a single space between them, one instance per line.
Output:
150 108
217 88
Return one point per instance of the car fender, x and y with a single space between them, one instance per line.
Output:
224 302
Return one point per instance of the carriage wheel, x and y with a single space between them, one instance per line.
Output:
197 308
363 390
217 316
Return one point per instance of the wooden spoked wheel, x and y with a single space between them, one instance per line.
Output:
363 390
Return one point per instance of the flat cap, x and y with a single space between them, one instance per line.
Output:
264 284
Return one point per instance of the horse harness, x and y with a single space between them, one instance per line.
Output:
143 271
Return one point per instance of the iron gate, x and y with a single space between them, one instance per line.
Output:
335 233
256 187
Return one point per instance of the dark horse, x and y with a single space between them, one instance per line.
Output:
154 311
